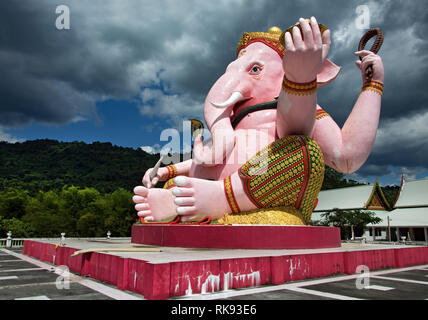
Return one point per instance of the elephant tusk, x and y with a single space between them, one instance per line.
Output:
234 98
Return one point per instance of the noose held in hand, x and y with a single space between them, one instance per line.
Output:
376 32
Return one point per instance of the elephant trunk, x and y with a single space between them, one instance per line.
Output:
219 104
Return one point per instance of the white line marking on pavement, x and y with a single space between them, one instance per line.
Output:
34 298
17 286
401 280
14 260
103 289
322 294
8 278
21 270
380 288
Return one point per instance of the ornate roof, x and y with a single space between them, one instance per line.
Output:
413 194
353 198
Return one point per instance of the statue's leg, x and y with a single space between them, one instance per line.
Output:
288 172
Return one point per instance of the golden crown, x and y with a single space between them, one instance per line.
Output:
270 38
274 38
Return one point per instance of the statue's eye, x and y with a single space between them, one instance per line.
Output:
255 69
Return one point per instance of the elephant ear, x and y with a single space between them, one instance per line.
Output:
328 73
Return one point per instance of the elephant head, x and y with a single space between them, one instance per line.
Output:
254 77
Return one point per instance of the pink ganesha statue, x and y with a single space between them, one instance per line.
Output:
270 140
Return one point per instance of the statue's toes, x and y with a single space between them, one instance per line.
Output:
183 192
141 191
184 201
142 207
139 199
182 181
186 211
145 214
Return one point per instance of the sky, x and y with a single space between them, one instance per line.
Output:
126 70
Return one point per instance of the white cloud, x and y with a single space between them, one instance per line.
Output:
8 138
155 149
404 133
177 107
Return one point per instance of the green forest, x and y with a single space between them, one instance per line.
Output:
48 187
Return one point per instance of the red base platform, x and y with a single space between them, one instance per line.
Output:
179 271
236 236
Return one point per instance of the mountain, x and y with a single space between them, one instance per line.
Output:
49 165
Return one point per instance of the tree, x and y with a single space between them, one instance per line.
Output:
349 218
18 228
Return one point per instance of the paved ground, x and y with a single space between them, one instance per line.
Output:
400 284
24 278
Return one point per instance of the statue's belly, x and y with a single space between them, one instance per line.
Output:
247 143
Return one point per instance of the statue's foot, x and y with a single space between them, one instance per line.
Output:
154 204
193 199
199 198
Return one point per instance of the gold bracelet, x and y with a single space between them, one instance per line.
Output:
230 196
373 86
321 114
299 89
169 184
172 171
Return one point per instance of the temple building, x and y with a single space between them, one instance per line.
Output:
407 217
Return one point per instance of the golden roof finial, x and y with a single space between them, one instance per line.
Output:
275 30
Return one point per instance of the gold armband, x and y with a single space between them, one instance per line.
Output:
230 196
299 89
321 114
172 171
373 86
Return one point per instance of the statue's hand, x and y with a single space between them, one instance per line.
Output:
203 154
370 58
304 57
161 175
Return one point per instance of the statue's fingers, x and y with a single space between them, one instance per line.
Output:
307 33
297 38
358 63
289 45
316 32
155 181
326 43
363 53
367 62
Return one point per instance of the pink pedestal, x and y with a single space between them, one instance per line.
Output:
174 277
236 237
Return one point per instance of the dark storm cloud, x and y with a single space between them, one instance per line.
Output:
173 51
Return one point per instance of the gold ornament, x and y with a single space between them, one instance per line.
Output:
322 27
